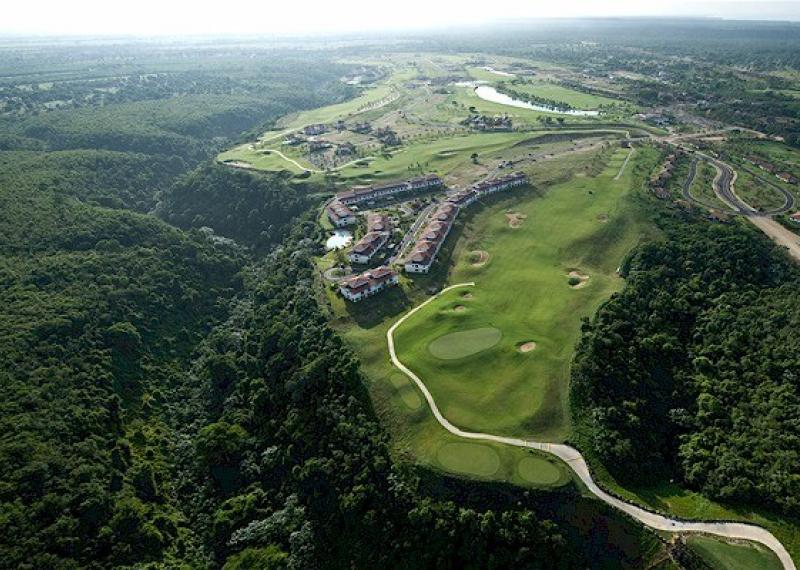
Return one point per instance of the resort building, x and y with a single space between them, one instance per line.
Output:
367 247
432 238
340 215
317 129
363 193
378 230
462 198
368 283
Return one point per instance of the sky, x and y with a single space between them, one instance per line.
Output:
179 17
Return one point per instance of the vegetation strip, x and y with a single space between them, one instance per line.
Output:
577 463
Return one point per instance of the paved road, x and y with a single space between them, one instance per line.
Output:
575 460
624 164
409 237
788 197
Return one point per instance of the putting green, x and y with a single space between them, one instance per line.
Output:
464 343
408 392
469 458
539 471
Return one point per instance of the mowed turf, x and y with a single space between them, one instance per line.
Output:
464 343
723 555
587 225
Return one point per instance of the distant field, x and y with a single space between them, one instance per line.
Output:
724 555
576 99
523 290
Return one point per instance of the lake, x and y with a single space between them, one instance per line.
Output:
488 93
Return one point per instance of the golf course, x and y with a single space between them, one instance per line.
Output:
497 356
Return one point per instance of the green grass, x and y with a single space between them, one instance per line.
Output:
461 344
470 458
723 555
576 99
539 470
416 435
523 291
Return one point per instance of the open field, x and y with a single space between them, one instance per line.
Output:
428 119
576 99
733 556
523 291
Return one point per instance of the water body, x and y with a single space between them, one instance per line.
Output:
498 72
488 93
339 239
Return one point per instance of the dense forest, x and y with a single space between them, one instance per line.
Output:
691 371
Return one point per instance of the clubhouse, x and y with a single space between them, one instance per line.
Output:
368 283
435 233
378 228
340 215
363 193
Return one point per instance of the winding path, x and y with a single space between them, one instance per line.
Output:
577 463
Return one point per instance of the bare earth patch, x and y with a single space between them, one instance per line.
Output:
602 218
577 279
526 346
515 219
459 308
478 257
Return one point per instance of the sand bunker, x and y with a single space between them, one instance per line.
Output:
515 219
466 295
577 279
526 346
459 308
478 257
602 218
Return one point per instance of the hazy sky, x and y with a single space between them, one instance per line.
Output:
155 17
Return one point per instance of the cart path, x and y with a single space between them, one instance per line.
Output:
575 460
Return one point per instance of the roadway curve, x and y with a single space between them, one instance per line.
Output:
575 460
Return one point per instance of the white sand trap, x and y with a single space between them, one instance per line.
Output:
526 346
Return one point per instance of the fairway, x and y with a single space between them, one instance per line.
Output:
524 294
723 555
464 343
469 458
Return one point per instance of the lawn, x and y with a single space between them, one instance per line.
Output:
724 555
523 291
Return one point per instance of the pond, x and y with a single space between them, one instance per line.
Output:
488 93
339 239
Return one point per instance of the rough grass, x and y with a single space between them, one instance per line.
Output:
724 555
522 292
